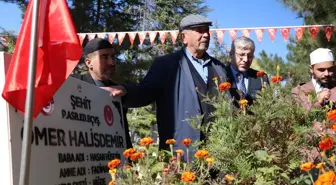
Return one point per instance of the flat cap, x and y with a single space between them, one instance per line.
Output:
194 20
96 44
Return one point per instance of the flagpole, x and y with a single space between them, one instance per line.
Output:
29 104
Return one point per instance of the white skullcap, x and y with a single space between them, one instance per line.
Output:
321 55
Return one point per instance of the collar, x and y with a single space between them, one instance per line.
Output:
206 59
235 73
317 86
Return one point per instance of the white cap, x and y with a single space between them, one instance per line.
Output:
321 55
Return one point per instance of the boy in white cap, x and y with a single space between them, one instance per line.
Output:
321 85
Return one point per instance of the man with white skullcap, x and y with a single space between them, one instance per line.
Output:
321 85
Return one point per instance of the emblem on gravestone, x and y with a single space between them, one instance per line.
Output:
108 115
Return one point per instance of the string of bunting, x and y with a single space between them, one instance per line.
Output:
259 32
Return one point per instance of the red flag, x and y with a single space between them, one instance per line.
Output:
299 33
272 33
285 33
328 30
233 34
259 33
58 52
313 31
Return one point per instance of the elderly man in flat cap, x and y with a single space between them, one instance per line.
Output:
322 85
172 80
101 64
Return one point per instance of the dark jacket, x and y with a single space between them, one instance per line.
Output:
169 83
87 78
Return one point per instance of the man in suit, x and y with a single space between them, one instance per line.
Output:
171 83
100 60
244 80
321 85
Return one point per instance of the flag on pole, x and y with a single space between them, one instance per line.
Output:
58 52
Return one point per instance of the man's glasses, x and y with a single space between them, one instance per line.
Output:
243 55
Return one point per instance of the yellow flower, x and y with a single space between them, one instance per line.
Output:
243 102
320 166
170 141
113 171
210 160
215 79
332 159
229 178
307 166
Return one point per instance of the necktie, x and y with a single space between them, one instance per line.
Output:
241 83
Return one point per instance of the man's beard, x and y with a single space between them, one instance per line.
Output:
324 81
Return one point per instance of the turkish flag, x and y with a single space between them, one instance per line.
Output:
58 52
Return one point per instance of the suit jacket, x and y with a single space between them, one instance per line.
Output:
300 95
170 85
254 85
87 78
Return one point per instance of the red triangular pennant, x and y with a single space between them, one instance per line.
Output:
132 36
299 33
121 37
220 35
313 31
259 33
329 31
142 36
152 36
173 35
163 36
285 33
233 34
246 33
111 37
272 33
211 32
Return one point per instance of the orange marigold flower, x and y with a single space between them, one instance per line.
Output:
146 141
188 177
327 178
277 79
136 156
170 141
326 143
127 153
172 159
261 73
179 152
333 127
332 115
243 102
114 163
165 171
307 166
111 183
229 178
201 154
224 86
186 142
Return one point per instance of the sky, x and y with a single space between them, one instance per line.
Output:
226 13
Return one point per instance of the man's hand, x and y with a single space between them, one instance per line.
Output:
116 91
324 95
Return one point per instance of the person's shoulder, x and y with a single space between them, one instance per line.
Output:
170 56
77 75
303 86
